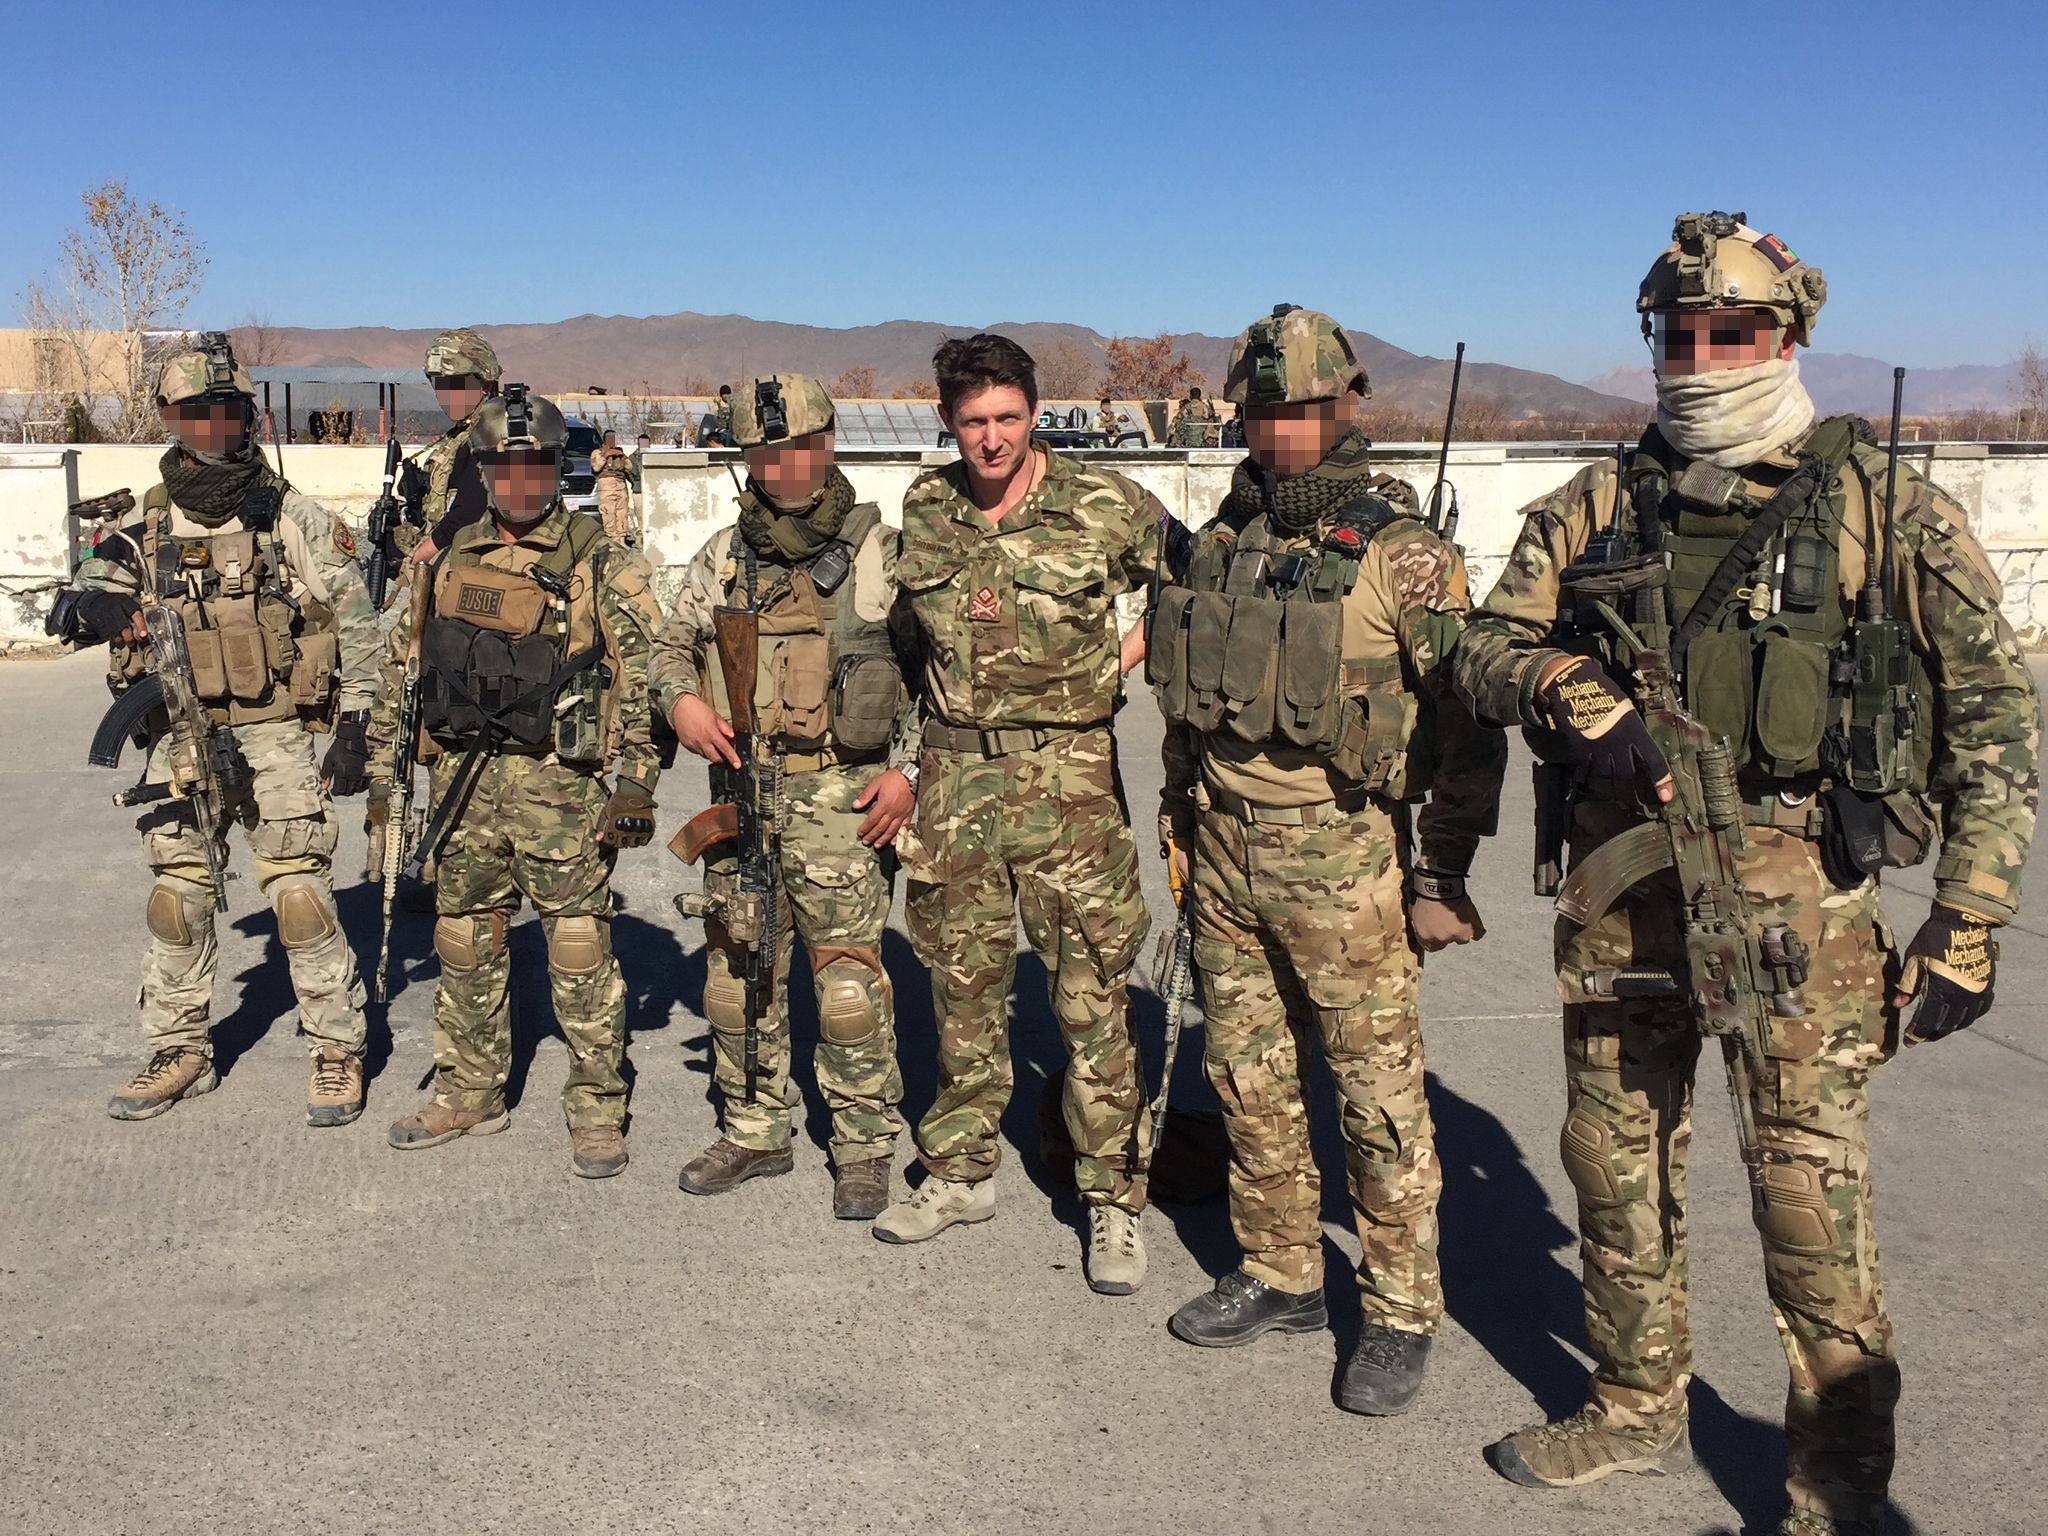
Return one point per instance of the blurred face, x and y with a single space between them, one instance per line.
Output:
794 470
208 426
993 427
1689 341
460 393
1294 438
524 482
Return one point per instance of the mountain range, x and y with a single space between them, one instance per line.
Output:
1842 382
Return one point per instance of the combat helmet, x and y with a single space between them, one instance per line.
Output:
518 419
1716 261
779 407
463 354
207 371
1293 354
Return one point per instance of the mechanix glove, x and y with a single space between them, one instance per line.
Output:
1949 968
1601 728
628 820
84 618
346 767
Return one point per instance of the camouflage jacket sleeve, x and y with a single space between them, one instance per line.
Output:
390 679
875 597
321 549
1138 559
1985 771
1432 600
1502 652
631 618
684 644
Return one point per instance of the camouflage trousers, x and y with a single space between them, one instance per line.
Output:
1628 1130
1044 832
1301 933
292 838
835 896
529 830
615 508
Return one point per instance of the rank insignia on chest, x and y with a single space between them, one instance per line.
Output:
985 607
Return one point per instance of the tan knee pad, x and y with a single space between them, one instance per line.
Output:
168 916
467 941
578 946
846 1007
725 1003
1798 1169
1586 1148
305 916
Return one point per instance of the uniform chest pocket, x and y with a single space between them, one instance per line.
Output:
1062 594
929 575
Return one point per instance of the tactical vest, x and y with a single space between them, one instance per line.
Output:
826 677
1773 666
1254 644
258 653
512 644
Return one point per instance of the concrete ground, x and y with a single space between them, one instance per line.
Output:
223 1320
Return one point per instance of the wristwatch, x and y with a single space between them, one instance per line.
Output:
1435 885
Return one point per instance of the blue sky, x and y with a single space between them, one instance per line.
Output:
1497 172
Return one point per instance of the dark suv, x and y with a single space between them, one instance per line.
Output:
579 485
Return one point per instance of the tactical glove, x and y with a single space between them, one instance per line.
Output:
346 767
1949 968
85 618
1601 729
628 820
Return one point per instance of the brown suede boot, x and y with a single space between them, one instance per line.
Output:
335 1094
434 1122
168 1077
596 1151
1587 1447
725 1165
860 1191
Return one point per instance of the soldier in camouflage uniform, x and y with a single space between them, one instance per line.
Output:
1301 663
445 480
829 695
613 473
534 645
1012 563
283 644
1191 421
1767 660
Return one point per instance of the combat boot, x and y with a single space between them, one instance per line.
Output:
860 1191
434 1122
168 1077
725 1165
335 1095
1384 1374
596 1151
933 1206
1587 1447
1116 1251
1240 1308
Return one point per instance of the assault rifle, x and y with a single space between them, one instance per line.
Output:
384 520
751 913
1443 496
1174 972
400 831
1740 971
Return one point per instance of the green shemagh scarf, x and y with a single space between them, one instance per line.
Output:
210 488
1297 503
793 537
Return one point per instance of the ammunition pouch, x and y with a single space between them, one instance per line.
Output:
1852 840
475 682
867 692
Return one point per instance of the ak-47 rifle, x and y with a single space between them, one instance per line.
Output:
751 913
384 519
400 831
1174 972
1443 496
1740 969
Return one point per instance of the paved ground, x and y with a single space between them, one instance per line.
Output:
220 1319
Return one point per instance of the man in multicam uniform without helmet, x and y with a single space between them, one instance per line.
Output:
534 647
283 643
1300 658
1768 659
1012 563
830 695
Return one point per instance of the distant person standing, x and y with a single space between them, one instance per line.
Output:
637 461
1109 421
614 474
721 415
1191 421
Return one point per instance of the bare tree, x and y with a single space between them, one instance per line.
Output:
2030 414
121 280
854 384
1065 370
258 343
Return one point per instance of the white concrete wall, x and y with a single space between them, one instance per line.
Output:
690 494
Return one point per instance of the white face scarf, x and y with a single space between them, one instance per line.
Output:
1732 417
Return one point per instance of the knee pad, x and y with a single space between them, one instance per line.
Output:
1586 1148
578 946
847 1014
304 914
1799 1170
725 1003
468 941
170 914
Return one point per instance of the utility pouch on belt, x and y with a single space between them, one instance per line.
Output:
866 694
1852 836
503 602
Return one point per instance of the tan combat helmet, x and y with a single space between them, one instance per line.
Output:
463 354
777 408
517 419
1293 354
208 370
1716 261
